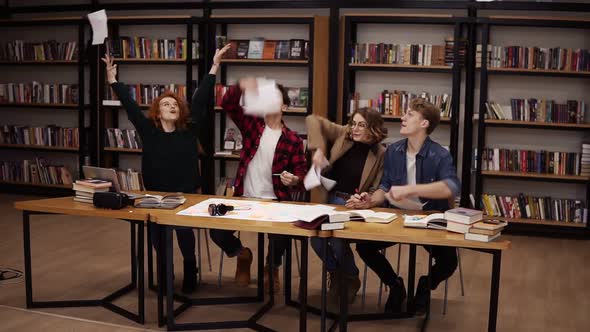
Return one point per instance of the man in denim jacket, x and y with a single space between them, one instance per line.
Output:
420 170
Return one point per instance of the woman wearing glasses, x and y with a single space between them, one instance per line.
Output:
170 160
356 164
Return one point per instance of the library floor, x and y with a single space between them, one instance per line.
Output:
544 284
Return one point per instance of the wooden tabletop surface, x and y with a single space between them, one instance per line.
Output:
392 232
67 205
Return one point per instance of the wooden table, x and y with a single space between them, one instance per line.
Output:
169 220
67 206
395 232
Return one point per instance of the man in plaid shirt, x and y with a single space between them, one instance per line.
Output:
270 149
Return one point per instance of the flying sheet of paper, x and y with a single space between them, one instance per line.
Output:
314 179
406 204
265 99
98 21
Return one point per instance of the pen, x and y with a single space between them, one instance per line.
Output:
276 174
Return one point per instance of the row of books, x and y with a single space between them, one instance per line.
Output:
34 171
298 97
45 136
539 110
145 93
150 48
123 138
397 102
259 48
566 59
406 54
130 180
48 50
528 161
585 163
533 207
35 92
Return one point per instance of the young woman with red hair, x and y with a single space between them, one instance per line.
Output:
170 160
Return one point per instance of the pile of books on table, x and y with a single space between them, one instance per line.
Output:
470 222
85 189
485 230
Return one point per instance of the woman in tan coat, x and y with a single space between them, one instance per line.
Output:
352 155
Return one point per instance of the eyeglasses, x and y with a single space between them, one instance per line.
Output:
361 125
219 209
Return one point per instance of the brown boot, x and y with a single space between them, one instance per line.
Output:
353 283
243 268
275 280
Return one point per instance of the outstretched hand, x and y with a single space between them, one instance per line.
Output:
319 159
219 54
217 58
111 68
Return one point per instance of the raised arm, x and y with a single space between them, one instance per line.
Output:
205 93
321 133
231 105
134 114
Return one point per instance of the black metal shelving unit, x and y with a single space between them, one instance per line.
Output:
80 64
483 124
459 25
109 115
221 23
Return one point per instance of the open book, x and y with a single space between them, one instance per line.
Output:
371 216
435 220
168 201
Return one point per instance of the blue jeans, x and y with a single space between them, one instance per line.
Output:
340 256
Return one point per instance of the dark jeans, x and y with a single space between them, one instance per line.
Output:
185 238
232 246
339 253
445 261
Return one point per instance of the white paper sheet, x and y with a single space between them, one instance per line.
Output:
265 99
406 204
259 211
314 179
98 21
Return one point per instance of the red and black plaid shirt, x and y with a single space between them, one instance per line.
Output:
289 155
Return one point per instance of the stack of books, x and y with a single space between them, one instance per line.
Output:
486 230
460 220
85 189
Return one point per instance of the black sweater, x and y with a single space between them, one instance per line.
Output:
170 161
348 169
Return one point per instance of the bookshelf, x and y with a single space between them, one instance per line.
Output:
353 33
311 73
487 128
131 71
68 29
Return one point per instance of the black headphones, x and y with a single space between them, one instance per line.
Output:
219 209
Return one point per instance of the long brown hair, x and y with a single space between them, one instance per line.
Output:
154 111
377 132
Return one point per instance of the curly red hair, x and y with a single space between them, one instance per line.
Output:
183 116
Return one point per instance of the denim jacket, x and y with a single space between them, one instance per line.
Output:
433 163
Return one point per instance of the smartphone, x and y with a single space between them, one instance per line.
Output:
492 221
